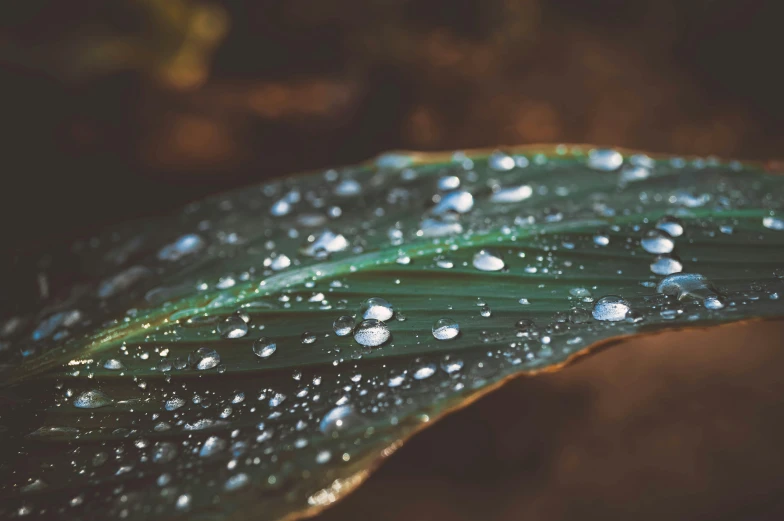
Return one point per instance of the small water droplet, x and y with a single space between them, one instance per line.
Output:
174 403
773 223
458 201
308 337
113 364
513 194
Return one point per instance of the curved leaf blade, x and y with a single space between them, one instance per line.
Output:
112 410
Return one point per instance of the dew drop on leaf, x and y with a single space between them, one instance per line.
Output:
611 308
445 329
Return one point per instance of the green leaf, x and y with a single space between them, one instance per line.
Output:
195 366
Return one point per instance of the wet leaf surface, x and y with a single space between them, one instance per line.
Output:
261 350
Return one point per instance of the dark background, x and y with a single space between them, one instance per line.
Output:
115 110
112 110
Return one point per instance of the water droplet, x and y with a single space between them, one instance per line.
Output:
611 308
525 326
664 265
343 325
371 333
773 223
113 364
513 194
713 302
164 452
451 365
423 370
601 239
671 225
233 327
280 262
445 329
657 242
340 419
376 308
485 311
327 243
236 482
307 337
604 159
448 182
212 446
264 347
92 399
486 260
458 201
687 285
203 358
185 245
183 502
174 403
122 281
579 316
500 161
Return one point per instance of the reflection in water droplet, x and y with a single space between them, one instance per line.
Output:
371 333
657 242
344 325
486 260
445 329
92 399
203 358
376 308
264 347
611 308
232 327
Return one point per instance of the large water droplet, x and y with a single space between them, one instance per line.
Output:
264 347
328 242
203 358
486 260
174 403
371 333
691 285
657 242
92 400
611 308
343 325
376 308
233 327
445 329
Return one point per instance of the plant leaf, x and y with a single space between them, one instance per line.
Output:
217 363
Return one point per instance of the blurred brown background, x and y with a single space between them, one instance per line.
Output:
112 110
